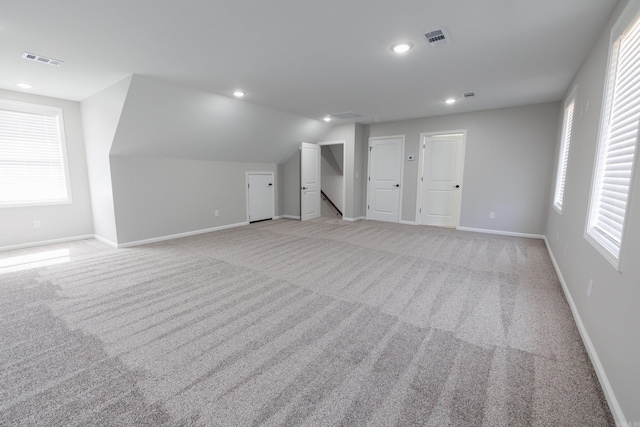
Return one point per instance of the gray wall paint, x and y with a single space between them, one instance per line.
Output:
100 116
291 193
361 156
611 316
164 120
58 221
162 197
332 178
508 164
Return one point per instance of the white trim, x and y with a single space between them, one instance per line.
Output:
407 222
105 241
273 192
373 138
296 217
179 235
46 242
501 233
614 406
353 219
421 148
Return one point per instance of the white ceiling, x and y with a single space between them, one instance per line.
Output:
306 57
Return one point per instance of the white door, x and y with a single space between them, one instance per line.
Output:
260 196
309 181
442 159
385 178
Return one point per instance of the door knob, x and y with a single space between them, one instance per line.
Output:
304 188
270 184
456 186
397 185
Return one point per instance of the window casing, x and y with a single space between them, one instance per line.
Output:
614 167
563 158
33 160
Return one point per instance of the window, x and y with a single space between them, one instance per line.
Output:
563 159
33 164
618 139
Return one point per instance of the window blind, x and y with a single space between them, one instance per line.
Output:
619 140
564 155
32 161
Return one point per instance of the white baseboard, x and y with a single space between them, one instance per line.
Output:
105 241
46 242
289 217
353 219
501 233
407 222
616 410
179 235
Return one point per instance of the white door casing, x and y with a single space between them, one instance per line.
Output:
442 164
384 184
309 181
260 196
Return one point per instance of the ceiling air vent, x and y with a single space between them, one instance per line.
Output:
42 59
469 94
345 116
438 37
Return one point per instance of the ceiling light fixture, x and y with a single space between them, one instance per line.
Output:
450 101
24 85
402 47
327 118
239 93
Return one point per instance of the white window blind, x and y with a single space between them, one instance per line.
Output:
564 154
618 140
32 155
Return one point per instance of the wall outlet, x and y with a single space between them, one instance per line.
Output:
589 288
37 223
492 215
566 246
558 236
216 213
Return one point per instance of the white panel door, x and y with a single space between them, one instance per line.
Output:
385 177
260 196
442 179
309 181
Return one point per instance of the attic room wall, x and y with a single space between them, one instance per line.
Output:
508 164
100 115
58 221
610 316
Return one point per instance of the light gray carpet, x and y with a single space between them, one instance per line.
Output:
287 323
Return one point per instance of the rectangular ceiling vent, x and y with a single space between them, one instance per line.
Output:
42 59
346 115
469 94
438 37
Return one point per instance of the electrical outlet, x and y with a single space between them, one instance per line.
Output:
589 288
37 223
566 246
216 213
558 236
492 215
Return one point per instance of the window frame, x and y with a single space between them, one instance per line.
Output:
610 250
565 147
32 108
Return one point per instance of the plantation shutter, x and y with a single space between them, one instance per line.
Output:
32 164
621 136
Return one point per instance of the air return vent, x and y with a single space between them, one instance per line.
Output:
345 116
469 94
438 37
42 59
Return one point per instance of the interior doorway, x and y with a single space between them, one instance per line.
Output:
384 194
260 196
332 183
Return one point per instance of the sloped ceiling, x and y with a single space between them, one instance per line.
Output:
164 120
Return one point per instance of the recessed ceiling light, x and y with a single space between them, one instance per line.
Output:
239 93
24 85
401 47
450 101
327 118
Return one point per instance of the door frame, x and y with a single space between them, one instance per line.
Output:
374 138
318 176
421 159
273 201
344 180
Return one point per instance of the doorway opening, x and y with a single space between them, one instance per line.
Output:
332 179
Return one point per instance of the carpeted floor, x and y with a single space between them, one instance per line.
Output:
287 323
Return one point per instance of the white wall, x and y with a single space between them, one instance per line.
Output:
508 164
155 198
100 115
611 316
58 221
